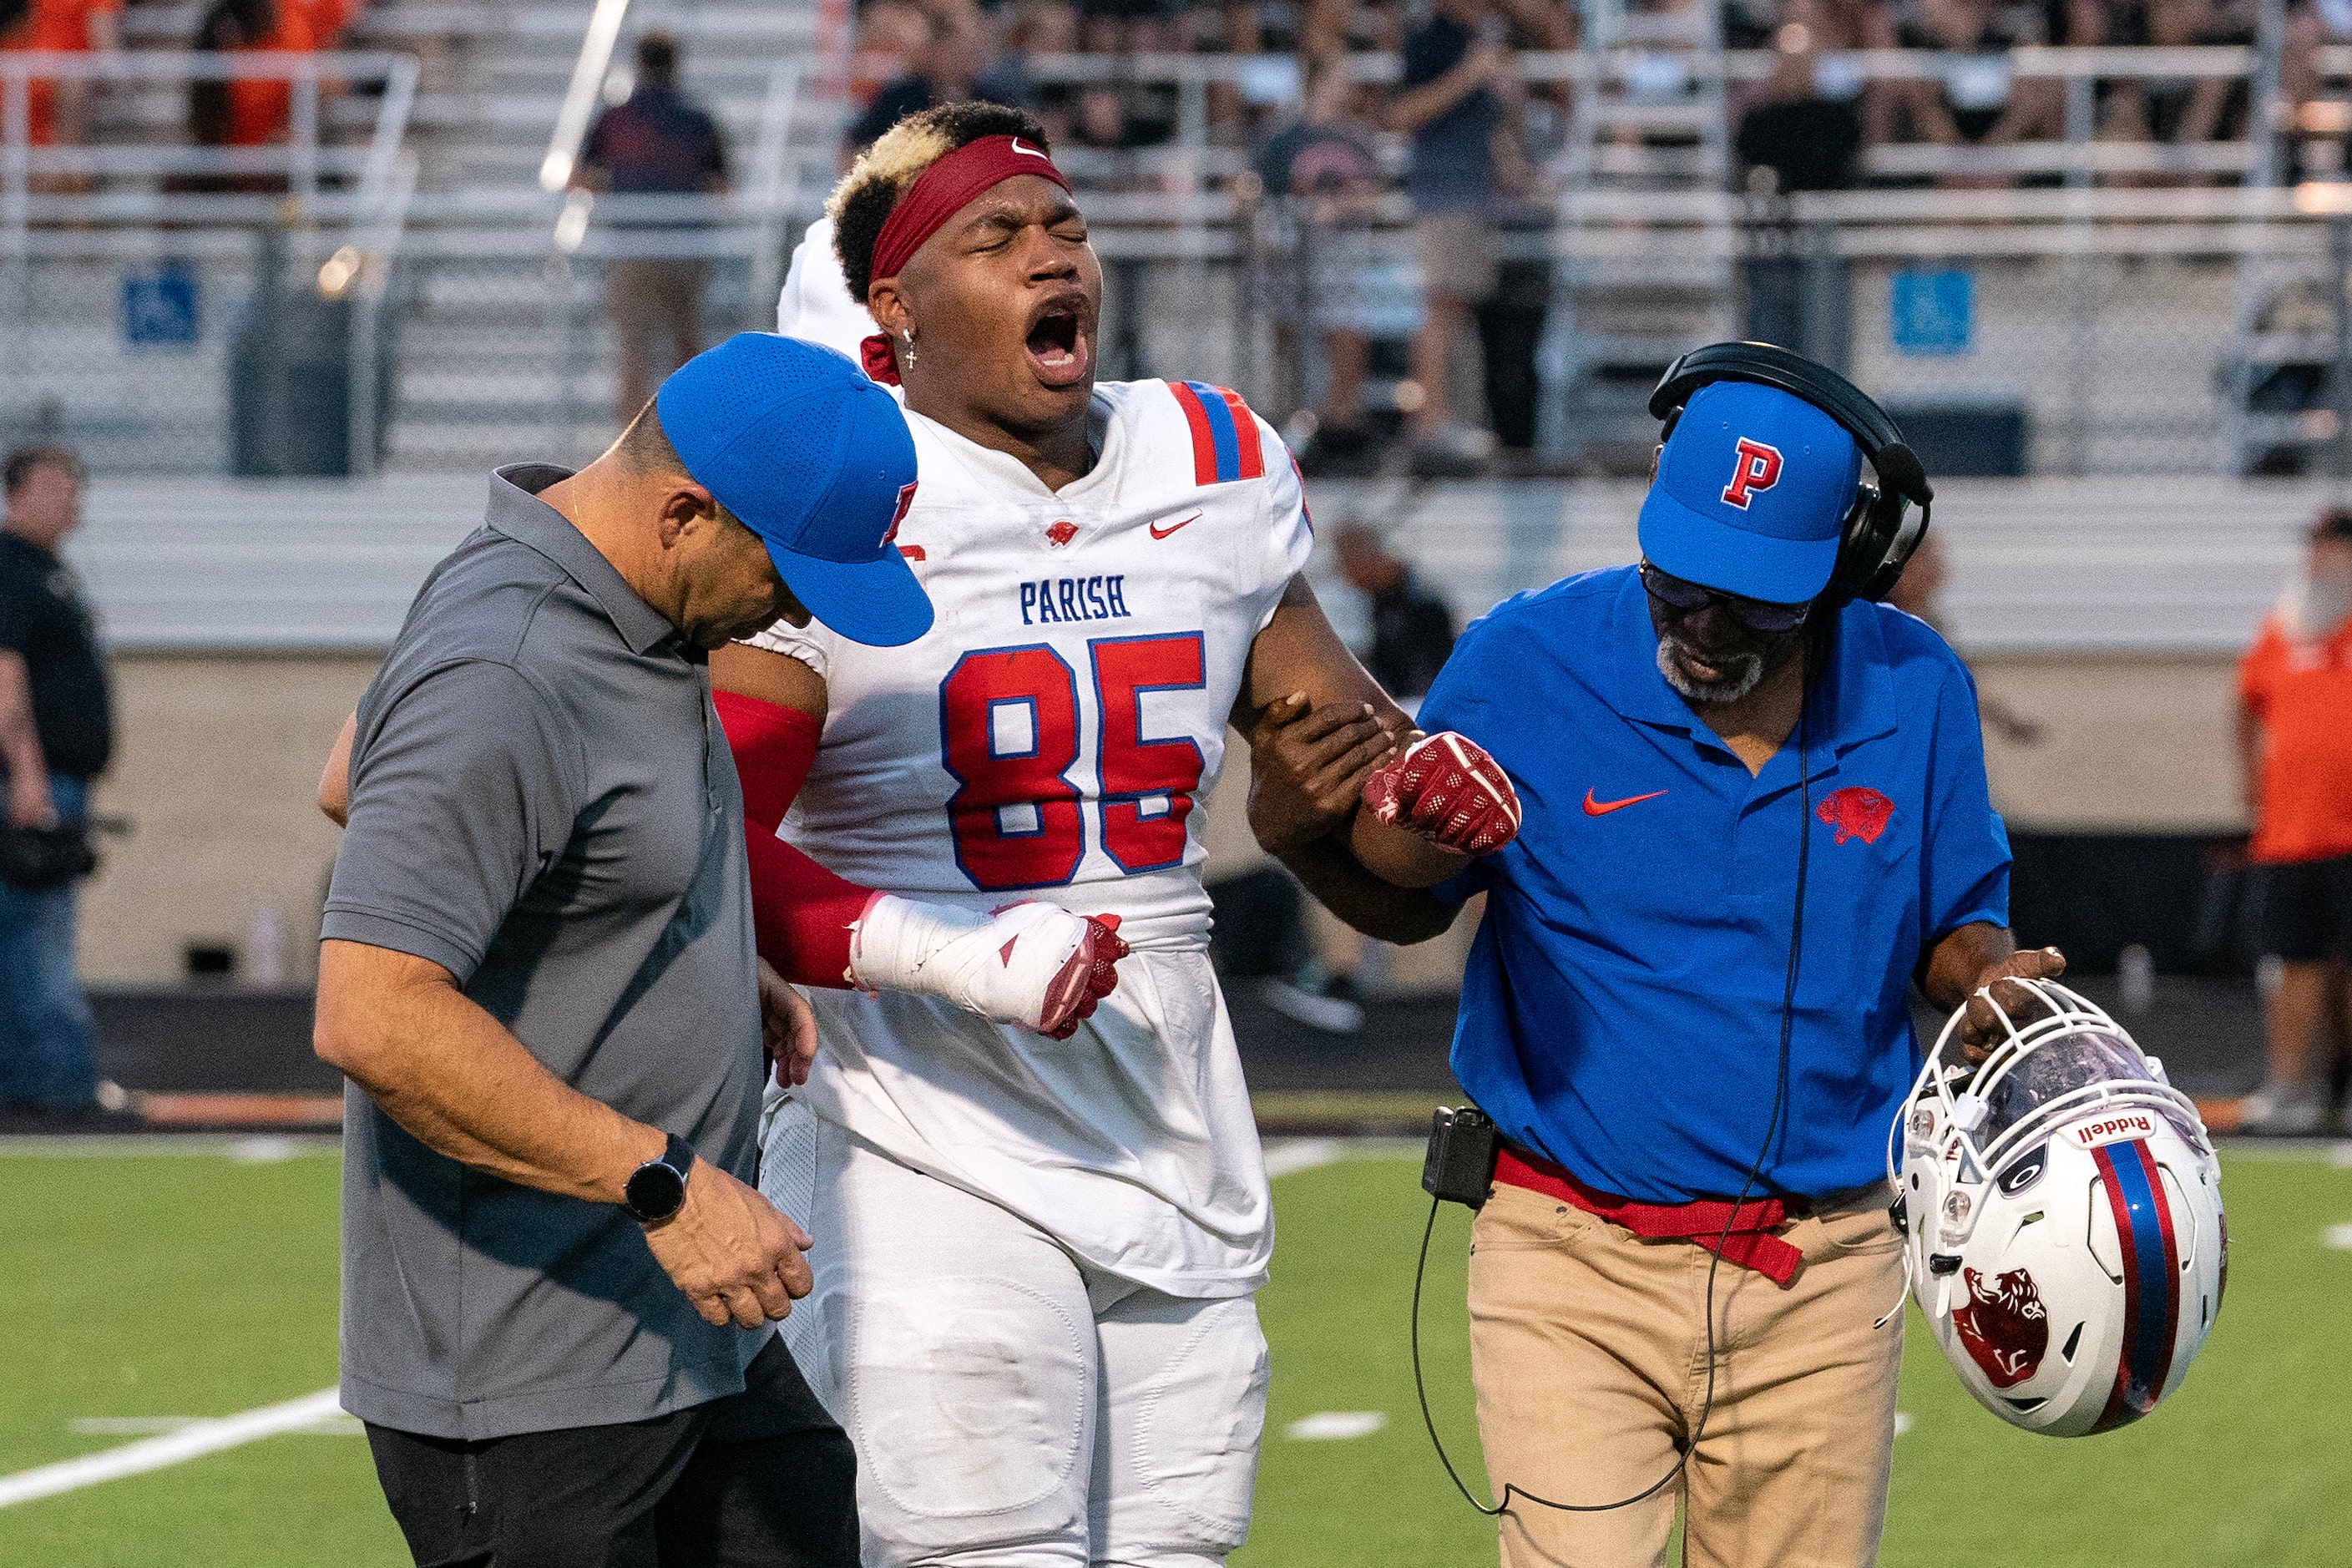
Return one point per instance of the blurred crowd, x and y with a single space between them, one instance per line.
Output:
1476 145
234 113
1809 120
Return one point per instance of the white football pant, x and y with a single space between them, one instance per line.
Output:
1010 1408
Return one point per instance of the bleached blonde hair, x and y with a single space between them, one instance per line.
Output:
860 205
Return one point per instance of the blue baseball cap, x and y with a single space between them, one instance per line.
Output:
815 458
1752 493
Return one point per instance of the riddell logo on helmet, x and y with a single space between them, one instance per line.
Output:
1760 470
2114 1130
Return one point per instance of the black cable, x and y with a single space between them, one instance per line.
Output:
1771 1132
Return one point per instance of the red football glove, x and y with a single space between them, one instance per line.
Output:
1090 976
1446 789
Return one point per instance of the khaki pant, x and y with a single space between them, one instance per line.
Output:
1588 1354
651 298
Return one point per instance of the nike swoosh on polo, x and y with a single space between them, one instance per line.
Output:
1159 533
1603 808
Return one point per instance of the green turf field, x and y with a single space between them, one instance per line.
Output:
195 1285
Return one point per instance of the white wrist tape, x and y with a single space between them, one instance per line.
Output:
1003 966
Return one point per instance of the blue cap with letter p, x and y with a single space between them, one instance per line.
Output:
1752 494
814 458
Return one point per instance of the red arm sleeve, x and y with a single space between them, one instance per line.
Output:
775 747
800 912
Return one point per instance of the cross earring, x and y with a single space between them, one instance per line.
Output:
909 336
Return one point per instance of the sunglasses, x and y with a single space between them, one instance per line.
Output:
1686 598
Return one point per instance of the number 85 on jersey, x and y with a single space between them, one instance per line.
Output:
1010 724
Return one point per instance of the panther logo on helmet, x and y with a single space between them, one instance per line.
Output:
2006 1328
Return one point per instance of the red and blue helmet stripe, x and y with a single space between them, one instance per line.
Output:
1225 447
2151 1268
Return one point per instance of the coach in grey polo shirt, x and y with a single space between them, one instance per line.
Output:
538 971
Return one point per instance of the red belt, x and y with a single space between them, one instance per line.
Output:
1745 1239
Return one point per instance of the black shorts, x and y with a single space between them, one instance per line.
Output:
2306 913
762 1478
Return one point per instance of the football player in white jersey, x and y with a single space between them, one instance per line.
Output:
1033 1308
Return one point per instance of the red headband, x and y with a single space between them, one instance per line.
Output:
938 195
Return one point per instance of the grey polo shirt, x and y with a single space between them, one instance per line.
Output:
542 802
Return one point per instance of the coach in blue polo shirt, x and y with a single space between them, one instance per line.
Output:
1754 810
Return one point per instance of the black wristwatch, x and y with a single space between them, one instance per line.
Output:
656 1189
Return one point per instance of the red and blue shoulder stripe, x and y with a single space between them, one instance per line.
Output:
1225 447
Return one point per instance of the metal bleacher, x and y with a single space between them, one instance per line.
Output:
499 348
2040 566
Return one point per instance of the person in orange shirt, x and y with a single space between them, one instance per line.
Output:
60 110
2294 733
253 112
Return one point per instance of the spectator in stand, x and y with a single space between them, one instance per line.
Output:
1978 99
254 111
328 20
656 144
2179 110
2310 26
889 35
55 737
1803 133
948 69
1413 627
60 110
1452 102
2295 691
1129 26
1808 139
1325 163
1373 27
1033 28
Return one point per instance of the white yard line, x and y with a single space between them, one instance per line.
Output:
2339 1237
2334 1151
1329 1425
172 1448
1288 1156
178 1146
335 1426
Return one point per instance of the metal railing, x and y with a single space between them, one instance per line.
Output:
116 277
363 175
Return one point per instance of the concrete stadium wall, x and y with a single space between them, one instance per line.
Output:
217 763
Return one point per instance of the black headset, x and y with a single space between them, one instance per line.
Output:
1879 533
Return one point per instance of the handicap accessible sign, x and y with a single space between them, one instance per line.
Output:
160 309
1932 310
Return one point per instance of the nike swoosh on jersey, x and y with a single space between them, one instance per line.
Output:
1159 533
1603 808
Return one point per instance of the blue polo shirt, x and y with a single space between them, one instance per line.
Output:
1621 1013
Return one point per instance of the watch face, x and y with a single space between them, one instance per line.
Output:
656 1192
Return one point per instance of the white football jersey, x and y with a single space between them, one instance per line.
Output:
1054 736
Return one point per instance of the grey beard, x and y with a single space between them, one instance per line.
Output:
1748 669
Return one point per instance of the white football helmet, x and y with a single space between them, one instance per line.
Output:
2062 1209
